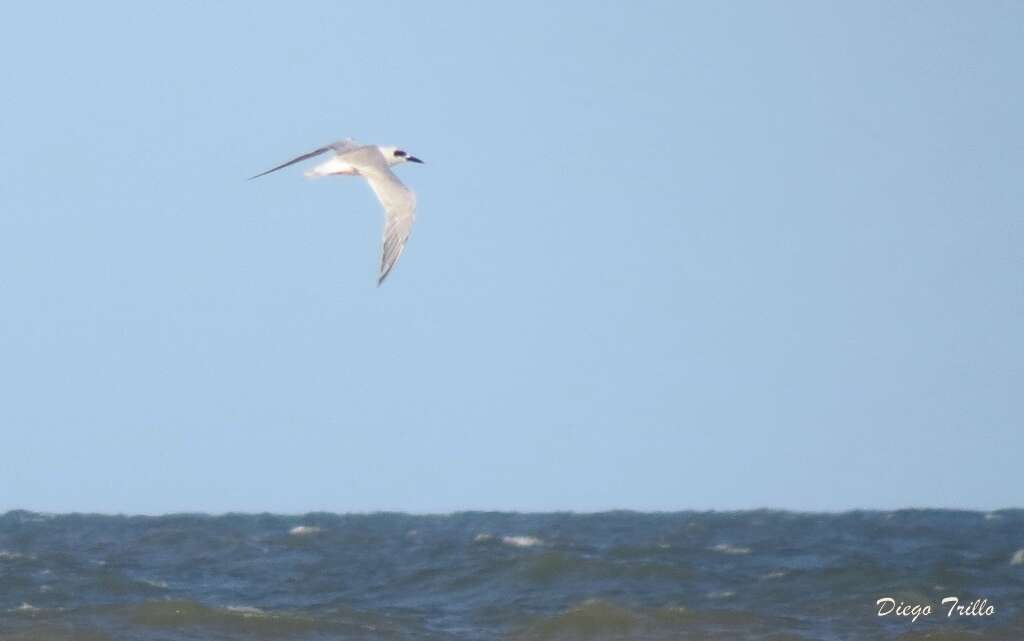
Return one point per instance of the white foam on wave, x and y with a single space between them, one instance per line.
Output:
483 537
25 607
992 516
1018 557
729 548
721 594
778 574
6 555
304 530
246 610
521 541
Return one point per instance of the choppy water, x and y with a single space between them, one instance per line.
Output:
619 575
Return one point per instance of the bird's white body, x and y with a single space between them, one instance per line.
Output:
374 163
340 166
333 167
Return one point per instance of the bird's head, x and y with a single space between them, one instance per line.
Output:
396 156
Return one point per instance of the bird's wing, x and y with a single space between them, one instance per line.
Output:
399 204
340 147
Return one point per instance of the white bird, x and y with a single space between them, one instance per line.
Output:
374 163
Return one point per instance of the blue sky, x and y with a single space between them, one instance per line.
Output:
668 256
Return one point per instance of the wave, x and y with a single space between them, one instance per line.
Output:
177 614
50 632
728 548
552 566
521 541
601 619
6 555
170 618
246 610
591 618
513 540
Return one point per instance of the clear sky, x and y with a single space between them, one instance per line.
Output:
668 256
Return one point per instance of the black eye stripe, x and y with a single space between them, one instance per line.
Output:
400 153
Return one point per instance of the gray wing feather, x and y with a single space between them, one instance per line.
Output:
338 147
398 201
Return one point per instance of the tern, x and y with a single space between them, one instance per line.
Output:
374 163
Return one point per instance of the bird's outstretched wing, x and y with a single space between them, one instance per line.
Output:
398 201
340 147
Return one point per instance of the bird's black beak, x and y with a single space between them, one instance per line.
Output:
414 159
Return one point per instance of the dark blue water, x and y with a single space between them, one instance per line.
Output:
619 575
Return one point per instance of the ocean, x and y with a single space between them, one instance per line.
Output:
766 575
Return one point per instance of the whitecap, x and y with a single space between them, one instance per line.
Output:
246 610
1018 557
778 574
728 548
25 607
483 537
521 541
11 556
722 594
304 530
992 516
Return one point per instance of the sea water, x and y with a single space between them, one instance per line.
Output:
617 575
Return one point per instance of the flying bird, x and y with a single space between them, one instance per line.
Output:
374 163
